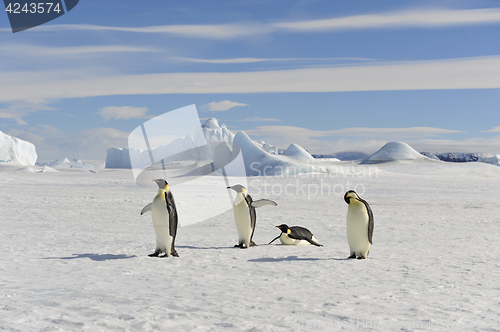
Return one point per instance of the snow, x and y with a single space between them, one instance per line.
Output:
74 254
395 151
65 163
15 151
294 160
297 152
215 133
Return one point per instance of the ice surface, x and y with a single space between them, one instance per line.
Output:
74 255
15 151
395 151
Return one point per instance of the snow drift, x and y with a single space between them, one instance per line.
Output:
16 151
395 151
258 162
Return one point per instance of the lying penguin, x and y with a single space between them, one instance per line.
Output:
296 236
244 215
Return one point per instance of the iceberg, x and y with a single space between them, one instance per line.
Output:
15 151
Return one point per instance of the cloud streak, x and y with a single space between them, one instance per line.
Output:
423 18
256 60
464 73
222 106
431 18
123 112
74 50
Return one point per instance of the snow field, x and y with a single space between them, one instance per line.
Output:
74 256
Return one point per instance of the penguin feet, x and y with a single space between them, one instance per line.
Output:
241 246
155 254
352 256
361 257
252 244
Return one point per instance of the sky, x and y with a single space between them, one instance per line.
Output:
330 76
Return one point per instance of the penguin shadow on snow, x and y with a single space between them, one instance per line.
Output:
95 257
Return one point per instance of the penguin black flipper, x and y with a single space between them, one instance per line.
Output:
262 202
301 233
370 220
173 220
253 217
147 208
277 237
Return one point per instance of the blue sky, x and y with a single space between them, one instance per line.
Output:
328 75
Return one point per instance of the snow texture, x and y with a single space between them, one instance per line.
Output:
15 151
74 254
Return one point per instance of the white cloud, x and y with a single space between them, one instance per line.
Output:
254 60
429 18
462 73
261 119
224 105
123 112
494 130
423 18
39 50
214 31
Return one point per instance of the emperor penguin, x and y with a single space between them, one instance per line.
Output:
164 215
296 236
244 215
359 225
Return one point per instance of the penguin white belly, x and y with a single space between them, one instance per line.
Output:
161 223
243 223
293 242
357 229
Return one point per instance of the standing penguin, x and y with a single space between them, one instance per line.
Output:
359 225
296 236
244 215
164 216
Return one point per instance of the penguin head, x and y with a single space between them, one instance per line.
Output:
350 194
284 228
238 188
162 184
